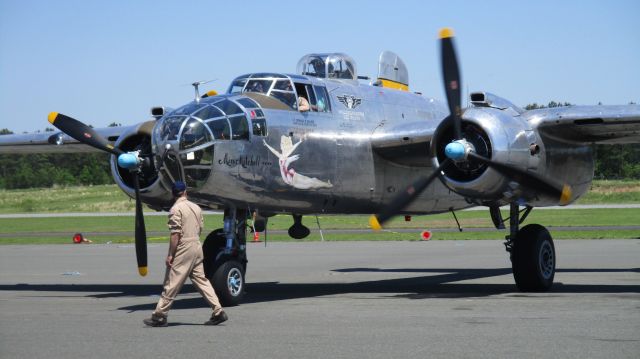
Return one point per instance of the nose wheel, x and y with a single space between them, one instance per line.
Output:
225 258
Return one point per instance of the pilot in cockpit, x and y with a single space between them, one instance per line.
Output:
303 104
318 67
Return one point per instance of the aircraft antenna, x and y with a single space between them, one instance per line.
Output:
196 88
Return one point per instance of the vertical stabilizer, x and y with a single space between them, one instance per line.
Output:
392 72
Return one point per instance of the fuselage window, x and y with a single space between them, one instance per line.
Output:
239 127
323 104
306 91
259 127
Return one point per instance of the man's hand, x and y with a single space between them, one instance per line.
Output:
169 261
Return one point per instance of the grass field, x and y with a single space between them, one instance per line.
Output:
60 229
111 199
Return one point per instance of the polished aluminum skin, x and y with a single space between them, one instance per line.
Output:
354 150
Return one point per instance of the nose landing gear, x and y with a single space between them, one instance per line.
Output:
225 257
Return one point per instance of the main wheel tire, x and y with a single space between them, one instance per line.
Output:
228 282
533 259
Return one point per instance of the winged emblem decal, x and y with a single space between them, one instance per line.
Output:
350 101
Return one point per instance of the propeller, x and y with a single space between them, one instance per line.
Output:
127 160
460 150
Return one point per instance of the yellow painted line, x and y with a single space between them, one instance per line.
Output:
393 85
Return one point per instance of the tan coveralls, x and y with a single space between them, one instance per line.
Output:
185 218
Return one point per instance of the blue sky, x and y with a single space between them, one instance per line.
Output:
110 61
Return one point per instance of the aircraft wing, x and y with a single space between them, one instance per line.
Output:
588 124
55 141
406 144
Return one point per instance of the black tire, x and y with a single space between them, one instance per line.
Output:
228 282
533 259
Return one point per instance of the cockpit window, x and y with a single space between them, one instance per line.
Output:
284 85
194 134
261 86
237 86
331 66
340 69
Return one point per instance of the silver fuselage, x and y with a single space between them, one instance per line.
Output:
335 152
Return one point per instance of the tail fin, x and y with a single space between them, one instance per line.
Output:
392 72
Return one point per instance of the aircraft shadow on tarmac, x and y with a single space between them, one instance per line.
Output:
440 284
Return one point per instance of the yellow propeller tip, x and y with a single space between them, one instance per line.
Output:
212 93
373 222
52 117
446 33
565 196
142 271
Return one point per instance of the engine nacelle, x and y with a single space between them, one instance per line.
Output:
508 139
153 191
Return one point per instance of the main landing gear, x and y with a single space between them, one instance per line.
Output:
225 257
533 256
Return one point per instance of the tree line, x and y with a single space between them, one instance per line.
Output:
65 169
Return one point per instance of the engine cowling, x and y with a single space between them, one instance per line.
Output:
153 191
508 139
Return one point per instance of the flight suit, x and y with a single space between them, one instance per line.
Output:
185 218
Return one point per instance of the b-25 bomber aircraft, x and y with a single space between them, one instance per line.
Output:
321 141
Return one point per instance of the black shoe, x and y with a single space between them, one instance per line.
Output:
217 319
155 322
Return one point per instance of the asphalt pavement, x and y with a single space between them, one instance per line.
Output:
435 299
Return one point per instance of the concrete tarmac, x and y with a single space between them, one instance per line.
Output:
436 299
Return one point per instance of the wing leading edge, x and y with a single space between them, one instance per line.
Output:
588 124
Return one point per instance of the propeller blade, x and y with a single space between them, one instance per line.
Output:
141 233
405 198
82 132
451 77
527 179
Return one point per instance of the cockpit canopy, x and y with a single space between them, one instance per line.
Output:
330 66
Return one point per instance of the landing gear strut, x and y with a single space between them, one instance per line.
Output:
225 257
533 256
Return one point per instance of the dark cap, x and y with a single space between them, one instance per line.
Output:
178 187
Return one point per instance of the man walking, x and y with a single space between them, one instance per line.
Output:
185 259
